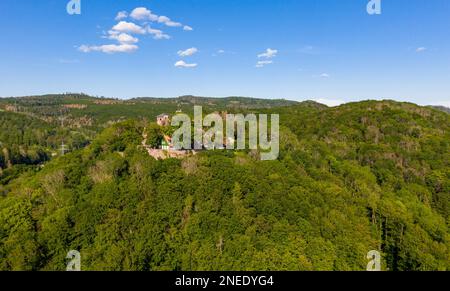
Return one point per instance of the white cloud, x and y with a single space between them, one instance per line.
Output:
421 49
166 20
309 50
109 48
222 52
142 13
270 53
157 34
324 75
123 37
189 52
121 15
183 64
128 27
123 32
126 44
261 64
112 32
84 48
330 102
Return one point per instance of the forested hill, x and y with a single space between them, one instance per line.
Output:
359 177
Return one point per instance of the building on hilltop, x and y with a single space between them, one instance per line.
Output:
163 119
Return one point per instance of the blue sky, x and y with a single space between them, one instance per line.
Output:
327 50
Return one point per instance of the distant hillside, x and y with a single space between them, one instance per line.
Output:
222 103
442 108
92 112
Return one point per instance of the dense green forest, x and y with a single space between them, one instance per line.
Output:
27 142
363 176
